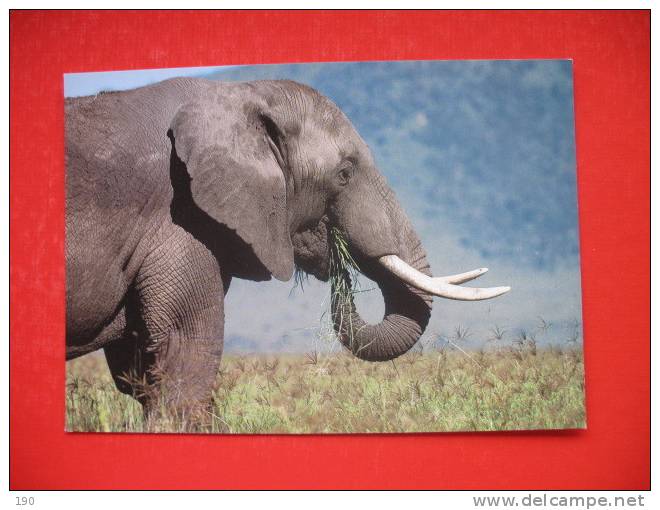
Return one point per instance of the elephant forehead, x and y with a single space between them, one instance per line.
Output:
324 155
322 148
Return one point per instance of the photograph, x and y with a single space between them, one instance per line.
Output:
354 247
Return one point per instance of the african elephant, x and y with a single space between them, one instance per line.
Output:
173 189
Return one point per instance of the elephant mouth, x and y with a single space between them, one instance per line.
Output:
312 252
407 287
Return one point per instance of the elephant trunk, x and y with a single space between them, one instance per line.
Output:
387 249
407 312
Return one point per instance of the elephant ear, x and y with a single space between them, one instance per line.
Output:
235 155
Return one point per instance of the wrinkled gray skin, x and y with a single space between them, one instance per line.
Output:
175 188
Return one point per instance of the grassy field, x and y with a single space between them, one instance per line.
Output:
440 390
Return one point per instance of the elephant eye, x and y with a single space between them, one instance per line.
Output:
344 174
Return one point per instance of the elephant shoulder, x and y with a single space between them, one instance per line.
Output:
114 153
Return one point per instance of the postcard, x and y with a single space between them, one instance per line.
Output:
355 247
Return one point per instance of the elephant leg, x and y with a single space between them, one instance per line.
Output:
178 324
124 358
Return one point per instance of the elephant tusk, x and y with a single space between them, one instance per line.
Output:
441 286
462 277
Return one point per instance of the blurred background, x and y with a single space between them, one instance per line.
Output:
481 155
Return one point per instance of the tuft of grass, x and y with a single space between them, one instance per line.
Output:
343 268
497 334
300 278
461 333
343 276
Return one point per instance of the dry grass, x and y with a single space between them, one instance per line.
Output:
510 388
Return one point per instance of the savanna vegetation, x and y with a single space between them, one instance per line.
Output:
446 388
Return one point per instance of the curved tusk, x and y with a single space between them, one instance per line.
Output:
462 277
441 286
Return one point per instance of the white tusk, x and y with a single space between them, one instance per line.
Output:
462 277
441 286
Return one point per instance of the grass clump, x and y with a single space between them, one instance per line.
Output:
343 277
343 268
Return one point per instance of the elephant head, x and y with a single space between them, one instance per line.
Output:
283 167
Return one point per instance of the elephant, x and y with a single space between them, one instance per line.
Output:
175 188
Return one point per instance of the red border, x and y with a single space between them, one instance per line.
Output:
611 53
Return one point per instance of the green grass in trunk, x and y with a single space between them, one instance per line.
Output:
445 390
